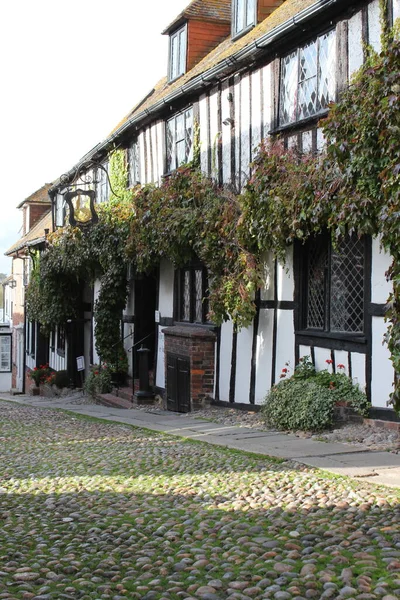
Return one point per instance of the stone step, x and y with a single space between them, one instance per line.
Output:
123 392
113 401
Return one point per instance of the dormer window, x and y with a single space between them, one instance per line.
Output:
177 53
244 16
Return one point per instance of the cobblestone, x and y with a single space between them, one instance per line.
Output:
96 510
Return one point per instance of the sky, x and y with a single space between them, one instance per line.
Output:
69 72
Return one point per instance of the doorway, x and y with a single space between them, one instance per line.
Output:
145 307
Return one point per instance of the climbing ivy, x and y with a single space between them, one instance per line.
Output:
353 186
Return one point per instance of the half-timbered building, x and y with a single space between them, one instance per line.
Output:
243 71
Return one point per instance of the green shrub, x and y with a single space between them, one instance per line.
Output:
299 404
61 379
307 399
98 381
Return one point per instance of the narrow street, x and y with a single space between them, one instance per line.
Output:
97 510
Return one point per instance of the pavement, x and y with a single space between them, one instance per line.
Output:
382 468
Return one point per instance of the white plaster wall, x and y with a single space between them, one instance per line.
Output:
374 26
307 141
214 132
321 356
129 329
356 55
264 354
166 290
396 9
255 112
160 133
342 358
303 351
358 368
267 98
245 128
142 158
380 287
267 291
225 360
243 364
160 372
285 277
321 141
284 341
226 134
237 128
203 117
153 136
5 382
148 154
382 370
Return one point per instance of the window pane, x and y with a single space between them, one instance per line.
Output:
188 135
239 15
327 70
174 56
182 52
186 296
5 353
316 277
198 295
180 127
250 12
347 286
307 101
170 145
288 95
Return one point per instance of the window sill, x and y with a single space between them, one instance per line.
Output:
209 326
238 34
302 124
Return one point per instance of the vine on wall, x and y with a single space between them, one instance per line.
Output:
352 187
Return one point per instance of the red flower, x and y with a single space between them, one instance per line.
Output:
96 372
329 361
284 370
341 366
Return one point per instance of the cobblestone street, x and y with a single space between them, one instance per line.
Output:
97 510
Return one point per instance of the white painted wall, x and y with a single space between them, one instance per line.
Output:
160 372
226 133
267 291
5 382
358 368
284 341
321 356
267 97
245 143
215 132
255 112
380 287
356 53
382 370
264 354
225 360
166 290
243 364
203 118
374 26
396 9
285 277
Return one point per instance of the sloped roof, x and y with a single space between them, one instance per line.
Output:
36 235
206 10
41 195
226 49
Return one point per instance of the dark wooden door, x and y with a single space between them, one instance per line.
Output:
178 383
145 306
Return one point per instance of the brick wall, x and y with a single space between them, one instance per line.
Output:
266 7
198 345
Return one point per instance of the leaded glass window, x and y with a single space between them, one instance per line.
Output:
179 139
335 277
133 164
244 15
5 353
177 53
308 79
193 304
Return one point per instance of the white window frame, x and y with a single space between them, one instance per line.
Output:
177 60
173 121
243 16
5 353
